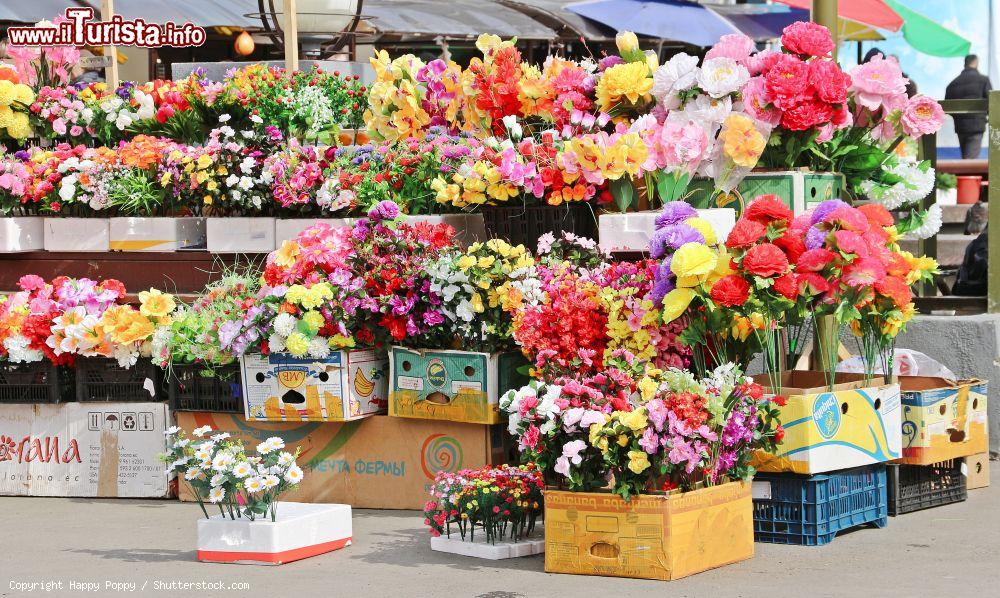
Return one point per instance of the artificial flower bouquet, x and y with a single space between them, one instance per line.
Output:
502 503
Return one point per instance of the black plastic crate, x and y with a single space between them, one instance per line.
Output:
524 225
916 487
99 379
810 510
192 390
37 382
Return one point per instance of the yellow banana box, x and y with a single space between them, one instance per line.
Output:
344 386
459 386
977 471
826 430
652 536
942 419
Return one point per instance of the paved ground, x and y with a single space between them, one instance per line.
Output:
949 551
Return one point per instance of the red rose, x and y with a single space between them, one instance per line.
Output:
814 260
765 260
779 434
806 114
792 243
745 233
829 81
730 291
787 286
876 214
805 38
768 208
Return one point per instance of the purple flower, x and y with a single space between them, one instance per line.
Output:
609 61
815 237
675 212
650 442
663 282
384 210
822 210
657 412
671 237
433 318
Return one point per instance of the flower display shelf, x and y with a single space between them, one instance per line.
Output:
481 549
21 233
299 531
100 379
525 224
917 487
37 382
191 390
77 234
811 510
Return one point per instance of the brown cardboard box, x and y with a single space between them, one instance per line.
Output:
942 419
977 471
808 382
652 536
378 462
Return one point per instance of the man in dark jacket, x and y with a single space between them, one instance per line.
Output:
970 85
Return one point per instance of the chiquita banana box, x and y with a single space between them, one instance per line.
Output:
346 385
460 386
942 419
850 426
651 536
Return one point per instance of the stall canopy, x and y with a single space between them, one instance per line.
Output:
32 11
676 20
455 18
927 36
205 13
875 13
553 13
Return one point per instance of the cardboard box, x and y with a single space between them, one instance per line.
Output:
460 386
102 450
379 462
157 234
286 229
977 471
21 233
855 424
346 385
799 189
77 234
632 231
240 235
651 537
942 419
299 531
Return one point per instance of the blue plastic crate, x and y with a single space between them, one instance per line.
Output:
811 510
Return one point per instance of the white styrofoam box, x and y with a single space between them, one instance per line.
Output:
300 530
286 229
240 235
21 233
481 549
469 228
77 234
632 231
157 234
947 197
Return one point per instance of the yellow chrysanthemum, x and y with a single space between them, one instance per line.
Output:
704 227
23 94
297 344
693 259
629 80
7 92
6 116
19 127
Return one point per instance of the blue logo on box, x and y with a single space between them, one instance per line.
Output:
437 374
826 414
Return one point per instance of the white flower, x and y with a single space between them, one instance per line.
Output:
276 443
284 324
182 443
270 481
67 188
276 342
216 494
319 348
222 461
200 432
722 76
220 437
254 484
285 459
930 225
171 431
218 479
193 474
224 118
256 118
513 127
242 469
676 75
293 475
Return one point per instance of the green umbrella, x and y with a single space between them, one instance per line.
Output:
927 36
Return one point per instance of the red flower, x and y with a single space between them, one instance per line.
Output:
745 233
896 289
780 400
814 260
848 218
806 114
786 81
164 113
864 272
812 284
792 243
876 214
787 286
829 81
807 39
850 242
779 434
765 260
110 284
897 266
768 208
730 291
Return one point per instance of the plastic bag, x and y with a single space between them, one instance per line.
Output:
906 362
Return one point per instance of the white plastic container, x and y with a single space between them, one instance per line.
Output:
77 234
240 235
21 233
481 549
632 231
157 234
300 531
288 228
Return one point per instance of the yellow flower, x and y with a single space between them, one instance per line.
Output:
6 116
634 420
19 127
477 303
287 253
487 261
297 344
627 42
638 461
704 227
156 304
313 319
693 259
23 94
647 388
7 92
629 80
741 141
676 303
466 261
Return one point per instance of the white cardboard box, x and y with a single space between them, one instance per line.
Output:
345 386
157 234
77 234
286 229
83 449
240 235
632 231
300 530
481 549
21 233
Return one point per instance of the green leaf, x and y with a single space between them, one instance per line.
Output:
624 193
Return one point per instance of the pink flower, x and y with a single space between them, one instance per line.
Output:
864 272
921 116
59 126
829 81
76 130
682 145
850 242
31 282
848 218
825 133
735 45
787 81
805 38
761 62
876 81
756 103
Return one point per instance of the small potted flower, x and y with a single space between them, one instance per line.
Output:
252 525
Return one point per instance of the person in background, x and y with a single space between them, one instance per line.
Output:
969 85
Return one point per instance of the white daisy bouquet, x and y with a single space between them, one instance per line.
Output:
220 472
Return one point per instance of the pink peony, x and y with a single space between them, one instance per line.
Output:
682 145
787 81
807 39
921 116
876 81
763 61
829 81
756 104
735 45
806 114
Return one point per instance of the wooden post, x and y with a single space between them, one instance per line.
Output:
110 72
993 291
929 246
291 35
824 12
